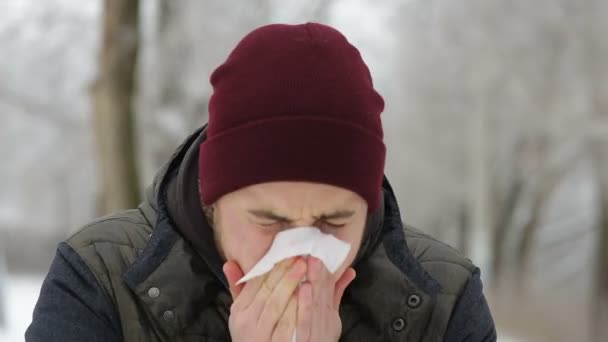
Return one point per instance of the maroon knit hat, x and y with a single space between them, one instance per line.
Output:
293 103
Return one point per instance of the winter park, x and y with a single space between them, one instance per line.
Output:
324 170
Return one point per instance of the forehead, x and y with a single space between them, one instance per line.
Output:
289 196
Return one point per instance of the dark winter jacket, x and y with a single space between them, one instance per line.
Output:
141 275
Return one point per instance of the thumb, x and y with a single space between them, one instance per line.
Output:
233 274
347 277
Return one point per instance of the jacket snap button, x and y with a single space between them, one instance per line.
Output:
398 324
413 301
168 315
153 292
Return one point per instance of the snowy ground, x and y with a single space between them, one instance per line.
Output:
20 294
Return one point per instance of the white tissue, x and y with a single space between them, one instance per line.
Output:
301 241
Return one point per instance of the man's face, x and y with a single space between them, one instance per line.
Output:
247 220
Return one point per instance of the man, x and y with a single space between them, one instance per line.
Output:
294 139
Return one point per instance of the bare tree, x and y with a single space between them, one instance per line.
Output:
549 179
599 152
112 94
3 277
506 206
590 30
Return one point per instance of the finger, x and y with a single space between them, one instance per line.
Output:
253 286
248 291
277 273
266 283
304 324
271 307
323 288
316 278
233 274
315 268
347 277
327 287
319 278
285 327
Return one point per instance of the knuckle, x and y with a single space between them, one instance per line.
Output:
284 323
234 308
295 276
244 325
268 286
283 265
275 307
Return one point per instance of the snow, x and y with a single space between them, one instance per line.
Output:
20 293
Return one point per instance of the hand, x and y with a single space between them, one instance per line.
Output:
265 308
319 302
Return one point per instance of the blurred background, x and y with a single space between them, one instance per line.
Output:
496 124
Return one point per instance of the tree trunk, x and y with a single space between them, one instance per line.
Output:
464 228
548 184
599 152
595 50
112 96
482 194
506 213
3 279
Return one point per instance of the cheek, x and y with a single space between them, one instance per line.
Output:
243 242
352 236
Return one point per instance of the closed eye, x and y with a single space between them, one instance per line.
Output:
334 225
268 224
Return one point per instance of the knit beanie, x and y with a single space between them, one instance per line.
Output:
293 103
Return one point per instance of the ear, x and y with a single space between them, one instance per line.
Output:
209 211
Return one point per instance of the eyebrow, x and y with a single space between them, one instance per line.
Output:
270 215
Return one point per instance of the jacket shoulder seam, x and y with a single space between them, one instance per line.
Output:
93 243
110 219
469 270
462 260
415 235
103 237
